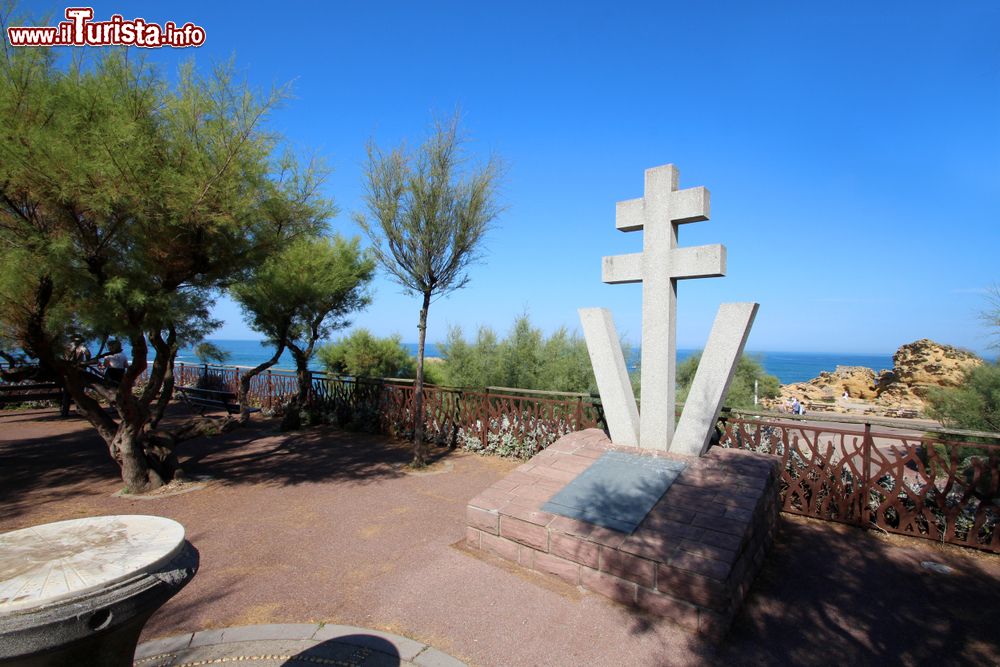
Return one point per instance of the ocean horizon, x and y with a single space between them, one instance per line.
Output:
788 367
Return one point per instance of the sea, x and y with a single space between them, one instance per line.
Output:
788 367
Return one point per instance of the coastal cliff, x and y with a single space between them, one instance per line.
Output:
917 367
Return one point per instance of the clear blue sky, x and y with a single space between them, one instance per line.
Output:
852 149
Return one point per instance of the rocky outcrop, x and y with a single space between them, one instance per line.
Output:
918 367
924 364
857 381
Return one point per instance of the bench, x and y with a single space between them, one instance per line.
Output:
20 393
39 391
205 399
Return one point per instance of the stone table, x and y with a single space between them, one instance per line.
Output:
79 592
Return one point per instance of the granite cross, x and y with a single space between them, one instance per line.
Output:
658 267
662 209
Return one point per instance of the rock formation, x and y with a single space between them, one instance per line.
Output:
917 367
924 364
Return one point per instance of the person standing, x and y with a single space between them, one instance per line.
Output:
115 362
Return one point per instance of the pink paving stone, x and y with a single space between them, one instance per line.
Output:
682 613
565 524
714 569
720 524
650 544
523 502
607 537
485 520
738 513
590 452
574 465
526 556
564 445
724 540
535 492
566 570
472 537
685 558
668 528
555 474
693 587
700 476
708 550
498 546
488 503
694 502
666 513
503 485
628 566
608 585
574 549
727 500
519 478
528 513
526 533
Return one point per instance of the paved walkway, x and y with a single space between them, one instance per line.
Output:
324 526
288 644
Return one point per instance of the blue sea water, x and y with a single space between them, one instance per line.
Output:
787 366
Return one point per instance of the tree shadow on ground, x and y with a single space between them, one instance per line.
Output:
44 457
830 593
72 460
257 454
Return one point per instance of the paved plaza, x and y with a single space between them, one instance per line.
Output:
326 527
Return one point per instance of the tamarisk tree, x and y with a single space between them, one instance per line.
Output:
125 203
426 220
298 297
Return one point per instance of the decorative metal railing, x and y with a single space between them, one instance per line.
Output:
500 420
900 477
932 484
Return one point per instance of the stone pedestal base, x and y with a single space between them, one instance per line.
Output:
691 560
99 629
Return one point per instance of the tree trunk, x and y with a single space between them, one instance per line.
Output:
166 390
292 421
419 448
250 375
127 449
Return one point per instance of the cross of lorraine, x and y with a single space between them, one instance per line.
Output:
658 214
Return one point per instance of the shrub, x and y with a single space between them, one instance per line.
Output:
362 354
525 359
740 393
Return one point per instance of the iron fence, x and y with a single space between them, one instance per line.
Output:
923 483
902 478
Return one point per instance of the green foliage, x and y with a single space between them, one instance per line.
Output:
305 292
975 405
525 359
363 355
428 218
209 352
126 202
740 393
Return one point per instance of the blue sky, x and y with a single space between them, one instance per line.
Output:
852 149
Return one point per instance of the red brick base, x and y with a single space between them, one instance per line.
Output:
693 557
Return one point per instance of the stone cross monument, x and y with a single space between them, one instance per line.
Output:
658 214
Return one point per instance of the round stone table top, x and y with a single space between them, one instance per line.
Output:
55 561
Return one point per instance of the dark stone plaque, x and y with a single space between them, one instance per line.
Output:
616 491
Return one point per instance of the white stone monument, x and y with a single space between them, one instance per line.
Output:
658 214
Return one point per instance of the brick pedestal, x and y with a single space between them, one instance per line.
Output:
693 557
